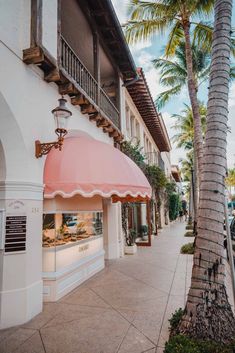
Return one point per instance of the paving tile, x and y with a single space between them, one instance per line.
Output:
128 295
125 308
85 297
14 340
50 310
7 332
135 342
69 313
160 350
32 345
97 334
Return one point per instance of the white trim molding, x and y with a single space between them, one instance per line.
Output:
24 190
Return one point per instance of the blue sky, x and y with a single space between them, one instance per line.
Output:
143 53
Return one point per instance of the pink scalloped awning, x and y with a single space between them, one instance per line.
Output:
89 167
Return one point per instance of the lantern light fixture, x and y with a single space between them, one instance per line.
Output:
61 115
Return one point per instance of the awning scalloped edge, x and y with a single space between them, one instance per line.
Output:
96 192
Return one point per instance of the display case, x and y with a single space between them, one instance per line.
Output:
64 228
72 250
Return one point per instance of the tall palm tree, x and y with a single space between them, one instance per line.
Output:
173 72
150 17
185 138
208 314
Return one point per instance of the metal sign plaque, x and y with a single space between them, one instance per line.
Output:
15 233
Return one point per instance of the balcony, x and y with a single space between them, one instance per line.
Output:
75 80
76 72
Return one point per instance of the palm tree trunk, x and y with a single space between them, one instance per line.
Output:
195 189
208 314
192 89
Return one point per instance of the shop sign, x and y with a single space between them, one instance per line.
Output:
83 248
15 233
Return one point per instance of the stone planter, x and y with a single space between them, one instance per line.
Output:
130 250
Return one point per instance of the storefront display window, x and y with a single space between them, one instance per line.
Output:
139 223
63 228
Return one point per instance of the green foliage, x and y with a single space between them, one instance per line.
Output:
187 249
154 174
130 240
189 227
184 344
156 177
185 126
230 180
135 152
144 229
173 73
174 205
175 319
189 234
170 188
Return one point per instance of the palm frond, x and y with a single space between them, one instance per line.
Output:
202 36
142 30
165 96
232 73
140 10
203 8
175 37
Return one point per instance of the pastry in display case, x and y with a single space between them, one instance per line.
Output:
63 228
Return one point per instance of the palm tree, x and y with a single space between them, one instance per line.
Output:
208 314
173 73
150 17
185 138
184 124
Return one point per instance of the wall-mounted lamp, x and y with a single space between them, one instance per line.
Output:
61 115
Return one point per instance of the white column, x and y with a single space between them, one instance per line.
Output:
21 272
49 26
143 214
112 229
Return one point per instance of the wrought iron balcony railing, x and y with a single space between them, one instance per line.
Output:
86 83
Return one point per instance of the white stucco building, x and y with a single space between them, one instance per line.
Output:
58 218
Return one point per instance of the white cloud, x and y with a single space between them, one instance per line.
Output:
121 11
140 46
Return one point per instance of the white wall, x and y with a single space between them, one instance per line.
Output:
15 25
26 101
49 26
143 128
167 161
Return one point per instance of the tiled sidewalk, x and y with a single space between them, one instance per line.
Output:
123 309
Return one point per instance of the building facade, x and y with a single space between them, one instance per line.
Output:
58 217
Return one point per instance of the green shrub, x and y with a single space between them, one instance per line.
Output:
175 319
174 205
189 234
184 344
189 227
181 344
187 249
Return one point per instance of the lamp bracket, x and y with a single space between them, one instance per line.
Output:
42 149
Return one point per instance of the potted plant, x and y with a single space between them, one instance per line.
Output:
131 247
144 232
